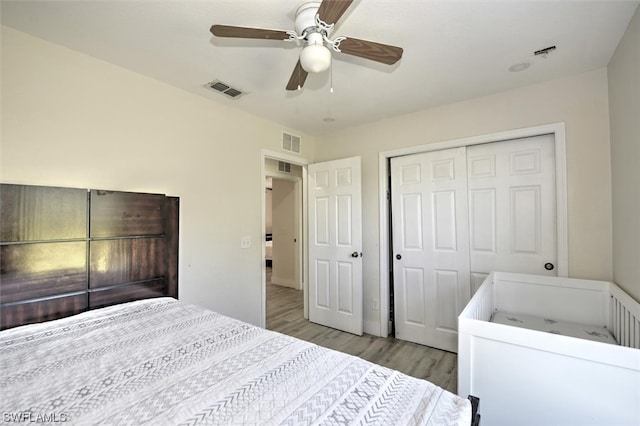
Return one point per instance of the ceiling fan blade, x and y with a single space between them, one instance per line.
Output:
244 32
331 10
298 76
371 50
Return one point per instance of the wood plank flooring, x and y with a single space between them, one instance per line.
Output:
285 315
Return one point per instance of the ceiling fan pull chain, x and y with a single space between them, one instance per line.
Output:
331 74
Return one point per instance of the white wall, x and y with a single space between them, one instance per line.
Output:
580 102
71 120
624 108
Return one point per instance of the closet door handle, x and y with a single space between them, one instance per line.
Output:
549 266
354 254
398 256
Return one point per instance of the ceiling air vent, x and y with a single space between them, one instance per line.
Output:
290 143
224 88
284 167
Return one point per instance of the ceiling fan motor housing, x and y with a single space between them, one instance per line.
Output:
306 16
315 57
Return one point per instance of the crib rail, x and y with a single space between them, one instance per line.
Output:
625 318
481 305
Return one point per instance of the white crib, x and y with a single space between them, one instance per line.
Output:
529 377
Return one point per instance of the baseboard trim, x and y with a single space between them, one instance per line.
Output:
285 282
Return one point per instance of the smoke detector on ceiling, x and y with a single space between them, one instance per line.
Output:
544 52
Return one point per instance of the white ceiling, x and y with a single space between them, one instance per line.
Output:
453 50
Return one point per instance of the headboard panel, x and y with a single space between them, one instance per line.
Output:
66 250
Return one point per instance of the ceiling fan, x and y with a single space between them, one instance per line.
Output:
314 21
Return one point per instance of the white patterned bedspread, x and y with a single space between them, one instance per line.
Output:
160 361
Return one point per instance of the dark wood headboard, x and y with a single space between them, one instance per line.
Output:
66 250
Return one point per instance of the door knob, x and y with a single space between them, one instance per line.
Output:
549 266
398 256
354 254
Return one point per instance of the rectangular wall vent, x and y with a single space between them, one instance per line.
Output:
224 89
284 167
290 143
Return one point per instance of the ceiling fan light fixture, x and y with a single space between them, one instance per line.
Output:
315 58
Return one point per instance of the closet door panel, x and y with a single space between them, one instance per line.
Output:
430 246
512 193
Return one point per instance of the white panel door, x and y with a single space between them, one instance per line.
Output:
512 207
335 244
430 246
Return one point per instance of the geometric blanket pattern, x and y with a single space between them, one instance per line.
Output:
161 361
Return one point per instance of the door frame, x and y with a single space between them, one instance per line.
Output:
556 129
302 228
297 189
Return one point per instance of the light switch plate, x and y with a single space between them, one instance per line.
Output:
245 242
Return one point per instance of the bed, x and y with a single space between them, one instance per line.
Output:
159 361
564 351
93 333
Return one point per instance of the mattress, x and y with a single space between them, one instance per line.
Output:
581 331
160 361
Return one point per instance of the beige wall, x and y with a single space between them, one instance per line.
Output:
271 168
579 101
624 108
71 120
285 228
267 210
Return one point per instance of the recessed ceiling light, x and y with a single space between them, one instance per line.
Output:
519 67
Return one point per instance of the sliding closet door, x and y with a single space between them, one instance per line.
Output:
430 246
512 207
458 215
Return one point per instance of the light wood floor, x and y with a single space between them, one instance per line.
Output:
285 315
